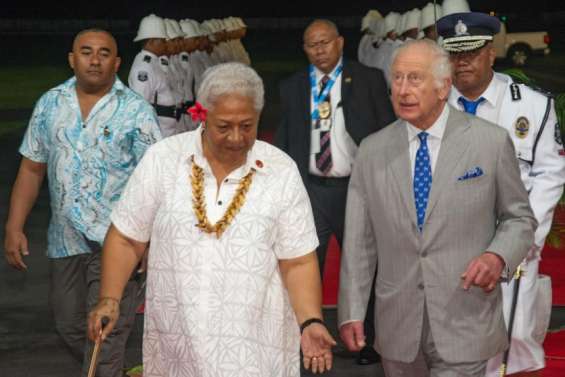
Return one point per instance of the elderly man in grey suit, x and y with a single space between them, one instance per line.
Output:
436 203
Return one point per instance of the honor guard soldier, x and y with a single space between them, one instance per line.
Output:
241 32
366 49
176 75
190 43
384 52
147 76
430 14
411 25
530 119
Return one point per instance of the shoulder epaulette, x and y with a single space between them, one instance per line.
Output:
515 92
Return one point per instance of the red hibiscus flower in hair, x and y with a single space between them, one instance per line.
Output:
197 112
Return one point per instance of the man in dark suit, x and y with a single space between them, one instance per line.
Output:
327 110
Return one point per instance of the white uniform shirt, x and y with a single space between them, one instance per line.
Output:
148 77
169 126
544 178
217 307
343 148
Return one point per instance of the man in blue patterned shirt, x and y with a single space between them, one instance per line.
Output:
87 135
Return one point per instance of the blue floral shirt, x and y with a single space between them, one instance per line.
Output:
88 162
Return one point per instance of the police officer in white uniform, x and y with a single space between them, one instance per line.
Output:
530 119
147 76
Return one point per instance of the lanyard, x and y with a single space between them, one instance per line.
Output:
314 88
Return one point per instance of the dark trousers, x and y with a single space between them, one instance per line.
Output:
75 283
328 197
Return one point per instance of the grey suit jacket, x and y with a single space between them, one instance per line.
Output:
422 271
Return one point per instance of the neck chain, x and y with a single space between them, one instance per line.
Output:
199 205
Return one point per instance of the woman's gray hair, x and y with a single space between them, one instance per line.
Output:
441 66
231 78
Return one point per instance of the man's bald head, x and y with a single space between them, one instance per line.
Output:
94 60
323 45
321 23
95 30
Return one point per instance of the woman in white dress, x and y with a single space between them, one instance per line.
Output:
233 287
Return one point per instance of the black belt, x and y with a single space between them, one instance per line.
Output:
167 111
328 181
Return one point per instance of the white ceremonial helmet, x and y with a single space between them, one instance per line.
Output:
399 28
376 27
240 22
197 28
391 20
454 6
412 20
371 15
428 18
188 29
231 24
172 28
151 26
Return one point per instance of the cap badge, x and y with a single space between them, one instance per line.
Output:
460 28
521 127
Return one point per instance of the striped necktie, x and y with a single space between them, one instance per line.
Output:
324 156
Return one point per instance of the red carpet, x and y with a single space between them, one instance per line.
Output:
555 354
553 264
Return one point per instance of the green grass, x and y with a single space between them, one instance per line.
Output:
21 87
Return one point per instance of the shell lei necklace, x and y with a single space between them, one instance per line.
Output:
199 205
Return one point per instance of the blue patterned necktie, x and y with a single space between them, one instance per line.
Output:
422 179
470 106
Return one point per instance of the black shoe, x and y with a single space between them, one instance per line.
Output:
367 356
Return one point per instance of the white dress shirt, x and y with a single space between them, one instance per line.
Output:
342 146
435 135
490 108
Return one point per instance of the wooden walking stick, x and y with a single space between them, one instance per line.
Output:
96 350
517 277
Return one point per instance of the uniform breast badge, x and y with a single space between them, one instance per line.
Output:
522 127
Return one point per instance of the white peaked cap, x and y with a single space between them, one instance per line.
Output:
427 17
391 20
371 15
188 29
412 20
173 30
151 26
454 6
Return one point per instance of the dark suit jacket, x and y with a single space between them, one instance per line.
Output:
366 109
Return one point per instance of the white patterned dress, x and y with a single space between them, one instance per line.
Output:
217 307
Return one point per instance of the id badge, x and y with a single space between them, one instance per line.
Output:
315 141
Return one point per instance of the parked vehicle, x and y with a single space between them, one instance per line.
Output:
518 47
